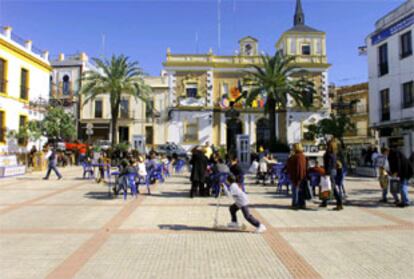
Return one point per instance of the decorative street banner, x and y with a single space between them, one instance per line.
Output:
395 28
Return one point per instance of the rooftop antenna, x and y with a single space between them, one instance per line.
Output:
103 37
219 25
196 41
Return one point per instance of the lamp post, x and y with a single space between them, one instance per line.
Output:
89 131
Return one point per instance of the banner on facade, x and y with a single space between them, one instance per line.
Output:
393 29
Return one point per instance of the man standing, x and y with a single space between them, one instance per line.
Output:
401 167
52 163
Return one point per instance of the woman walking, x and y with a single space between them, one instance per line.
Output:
296 169
330 162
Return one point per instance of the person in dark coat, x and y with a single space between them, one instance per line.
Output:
330 163
198 172
296 169
401 167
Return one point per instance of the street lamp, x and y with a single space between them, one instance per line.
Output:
89 131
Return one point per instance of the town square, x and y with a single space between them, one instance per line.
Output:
206 139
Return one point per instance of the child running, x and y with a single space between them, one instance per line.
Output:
241 202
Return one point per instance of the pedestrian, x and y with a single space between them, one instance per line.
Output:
296 169
384 172
52 163
198 172
329 161
236 169
240 202
401 168
32 155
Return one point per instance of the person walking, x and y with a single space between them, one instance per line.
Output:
296 169
52 163
198 172
401 167
329 161
384 170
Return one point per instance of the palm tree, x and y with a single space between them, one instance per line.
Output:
117 77
277 78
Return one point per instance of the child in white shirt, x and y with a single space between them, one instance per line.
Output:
241 202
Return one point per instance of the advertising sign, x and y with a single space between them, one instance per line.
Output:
393 29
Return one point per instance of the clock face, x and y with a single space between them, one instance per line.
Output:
248 49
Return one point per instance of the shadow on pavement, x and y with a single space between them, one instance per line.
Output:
99 195
180 227
177 194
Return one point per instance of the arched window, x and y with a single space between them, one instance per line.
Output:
65 85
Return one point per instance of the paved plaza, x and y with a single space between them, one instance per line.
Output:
72 229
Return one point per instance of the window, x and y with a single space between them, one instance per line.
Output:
248 49
98 109
24 84
124 108
191 90
385 104
306 50
3 80
22 125
149 109
408 94
191 132
383 59
65 85
2 126
149 135
406 45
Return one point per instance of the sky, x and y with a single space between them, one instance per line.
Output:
144 29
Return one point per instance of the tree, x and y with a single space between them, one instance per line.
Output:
335 125
116 77
58 124
277 78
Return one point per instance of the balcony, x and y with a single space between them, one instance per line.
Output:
310 59
126 114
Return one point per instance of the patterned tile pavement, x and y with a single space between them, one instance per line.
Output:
72 228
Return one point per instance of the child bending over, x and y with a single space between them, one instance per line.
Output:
241 202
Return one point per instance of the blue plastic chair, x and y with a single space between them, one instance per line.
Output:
218 179
283 180
130 180
144 180
314 180
166 169
156 173
88 170
179 165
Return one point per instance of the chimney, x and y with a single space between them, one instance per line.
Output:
7 30
28 45
61 56
45 55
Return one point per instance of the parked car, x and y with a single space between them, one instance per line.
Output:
103 144
170 149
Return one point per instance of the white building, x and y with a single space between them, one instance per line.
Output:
24 87
66 83
391 77
201 86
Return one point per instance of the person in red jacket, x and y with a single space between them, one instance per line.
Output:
296 169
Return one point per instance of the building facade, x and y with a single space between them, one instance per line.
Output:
24 87
201 87
391 78
65 83
136 123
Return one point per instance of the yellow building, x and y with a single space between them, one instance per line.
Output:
362 136
201 87
24 87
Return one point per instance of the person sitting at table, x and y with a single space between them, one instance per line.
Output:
265 166
317 169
